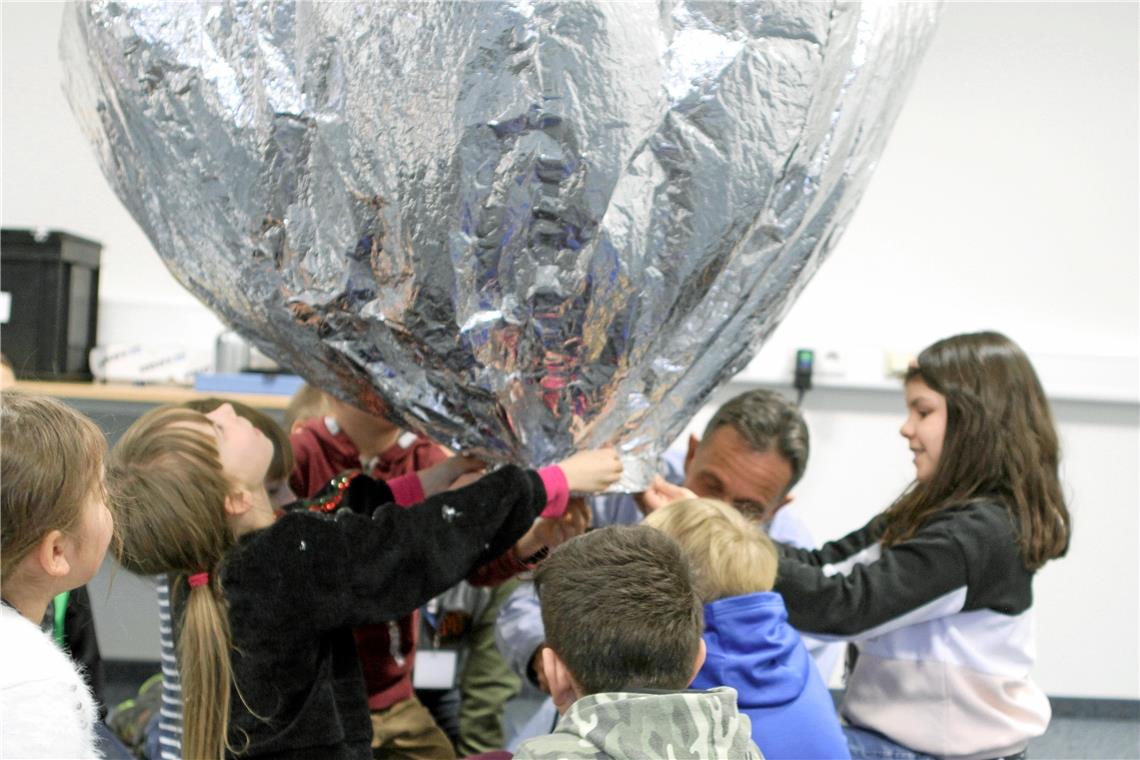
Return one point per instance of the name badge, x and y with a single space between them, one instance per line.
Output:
435 669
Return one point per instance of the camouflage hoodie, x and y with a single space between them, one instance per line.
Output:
641 724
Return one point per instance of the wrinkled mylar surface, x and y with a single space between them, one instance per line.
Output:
524 228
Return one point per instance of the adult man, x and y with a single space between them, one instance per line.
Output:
753 451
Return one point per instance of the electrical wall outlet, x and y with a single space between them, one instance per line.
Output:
830 363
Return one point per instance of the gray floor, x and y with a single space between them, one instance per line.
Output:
1088 738
1073 734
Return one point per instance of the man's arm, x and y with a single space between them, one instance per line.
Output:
519 631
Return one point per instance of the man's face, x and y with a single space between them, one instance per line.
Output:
723 466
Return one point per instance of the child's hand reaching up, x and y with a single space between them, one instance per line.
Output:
548 534
661 493
592 471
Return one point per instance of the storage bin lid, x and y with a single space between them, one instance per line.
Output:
25 245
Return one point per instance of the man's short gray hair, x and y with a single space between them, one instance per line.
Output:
768 421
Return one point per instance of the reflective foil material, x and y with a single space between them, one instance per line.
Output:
524 227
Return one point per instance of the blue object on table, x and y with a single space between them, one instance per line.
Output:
248 382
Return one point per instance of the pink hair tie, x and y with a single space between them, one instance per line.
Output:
199 579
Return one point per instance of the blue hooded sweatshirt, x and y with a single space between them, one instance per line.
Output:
752 648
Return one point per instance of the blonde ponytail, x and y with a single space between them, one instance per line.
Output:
167 481
204 666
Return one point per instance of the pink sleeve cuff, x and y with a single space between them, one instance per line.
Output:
557 491
407 489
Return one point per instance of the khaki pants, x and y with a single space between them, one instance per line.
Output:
487 682
407 730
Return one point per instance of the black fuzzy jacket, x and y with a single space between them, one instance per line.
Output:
297 589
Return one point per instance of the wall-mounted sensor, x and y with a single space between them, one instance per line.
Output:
805 358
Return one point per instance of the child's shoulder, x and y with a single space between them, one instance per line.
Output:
295 566
30 656
40 686
339 491
295 538
311 429
985 532
985 519
322 436
707 721
558 747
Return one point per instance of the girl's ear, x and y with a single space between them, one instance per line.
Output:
239 502
51 554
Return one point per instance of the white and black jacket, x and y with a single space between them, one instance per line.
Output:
944 626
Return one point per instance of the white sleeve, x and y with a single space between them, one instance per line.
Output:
48 718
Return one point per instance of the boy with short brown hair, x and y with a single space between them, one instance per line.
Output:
623 631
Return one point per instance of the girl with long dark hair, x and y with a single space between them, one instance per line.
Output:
936 592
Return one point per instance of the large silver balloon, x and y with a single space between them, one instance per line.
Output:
526 227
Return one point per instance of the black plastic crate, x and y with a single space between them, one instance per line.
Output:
53 282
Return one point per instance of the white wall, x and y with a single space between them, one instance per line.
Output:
1007 198
51 179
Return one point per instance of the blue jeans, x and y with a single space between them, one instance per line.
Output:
110 745
868 745
152 749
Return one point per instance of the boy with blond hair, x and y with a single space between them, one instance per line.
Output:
750 646
623 627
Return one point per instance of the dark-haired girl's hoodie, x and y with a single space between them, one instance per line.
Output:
944 626
752 648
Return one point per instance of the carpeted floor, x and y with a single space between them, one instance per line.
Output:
1081 729
1088 738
